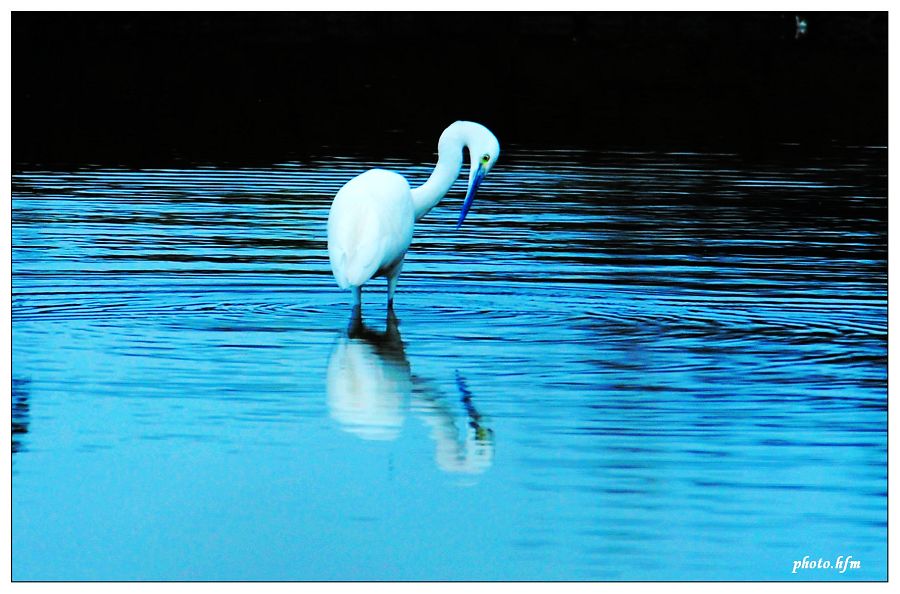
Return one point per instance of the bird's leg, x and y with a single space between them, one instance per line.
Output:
357 300
356 322
392 286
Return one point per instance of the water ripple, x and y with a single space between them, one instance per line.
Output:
680 356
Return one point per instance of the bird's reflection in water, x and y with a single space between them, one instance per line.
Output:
370 382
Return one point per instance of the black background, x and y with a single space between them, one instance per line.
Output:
156 88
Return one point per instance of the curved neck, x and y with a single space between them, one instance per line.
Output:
450 160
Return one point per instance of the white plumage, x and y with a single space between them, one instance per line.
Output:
370 227
370 224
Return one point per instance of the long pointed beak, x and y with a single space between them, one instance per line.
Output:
470 196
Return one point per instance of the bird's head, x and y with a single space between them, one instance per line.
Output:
483 152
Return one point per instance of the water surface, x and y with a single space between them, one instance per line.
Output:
629 365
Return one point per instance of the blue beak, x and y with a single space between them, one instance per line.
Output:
479 175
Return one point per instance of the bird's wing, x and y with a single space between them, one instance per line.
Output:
365 260
370 226
355 247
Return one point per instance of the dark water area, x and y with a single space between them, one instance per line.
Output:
626 365
164 89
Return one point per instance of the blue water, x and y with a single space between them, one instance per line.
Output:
625 366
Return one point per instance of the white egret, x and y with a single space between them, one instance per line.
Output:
370 224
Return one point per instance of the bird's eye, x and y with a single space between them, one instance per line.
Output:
485 158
